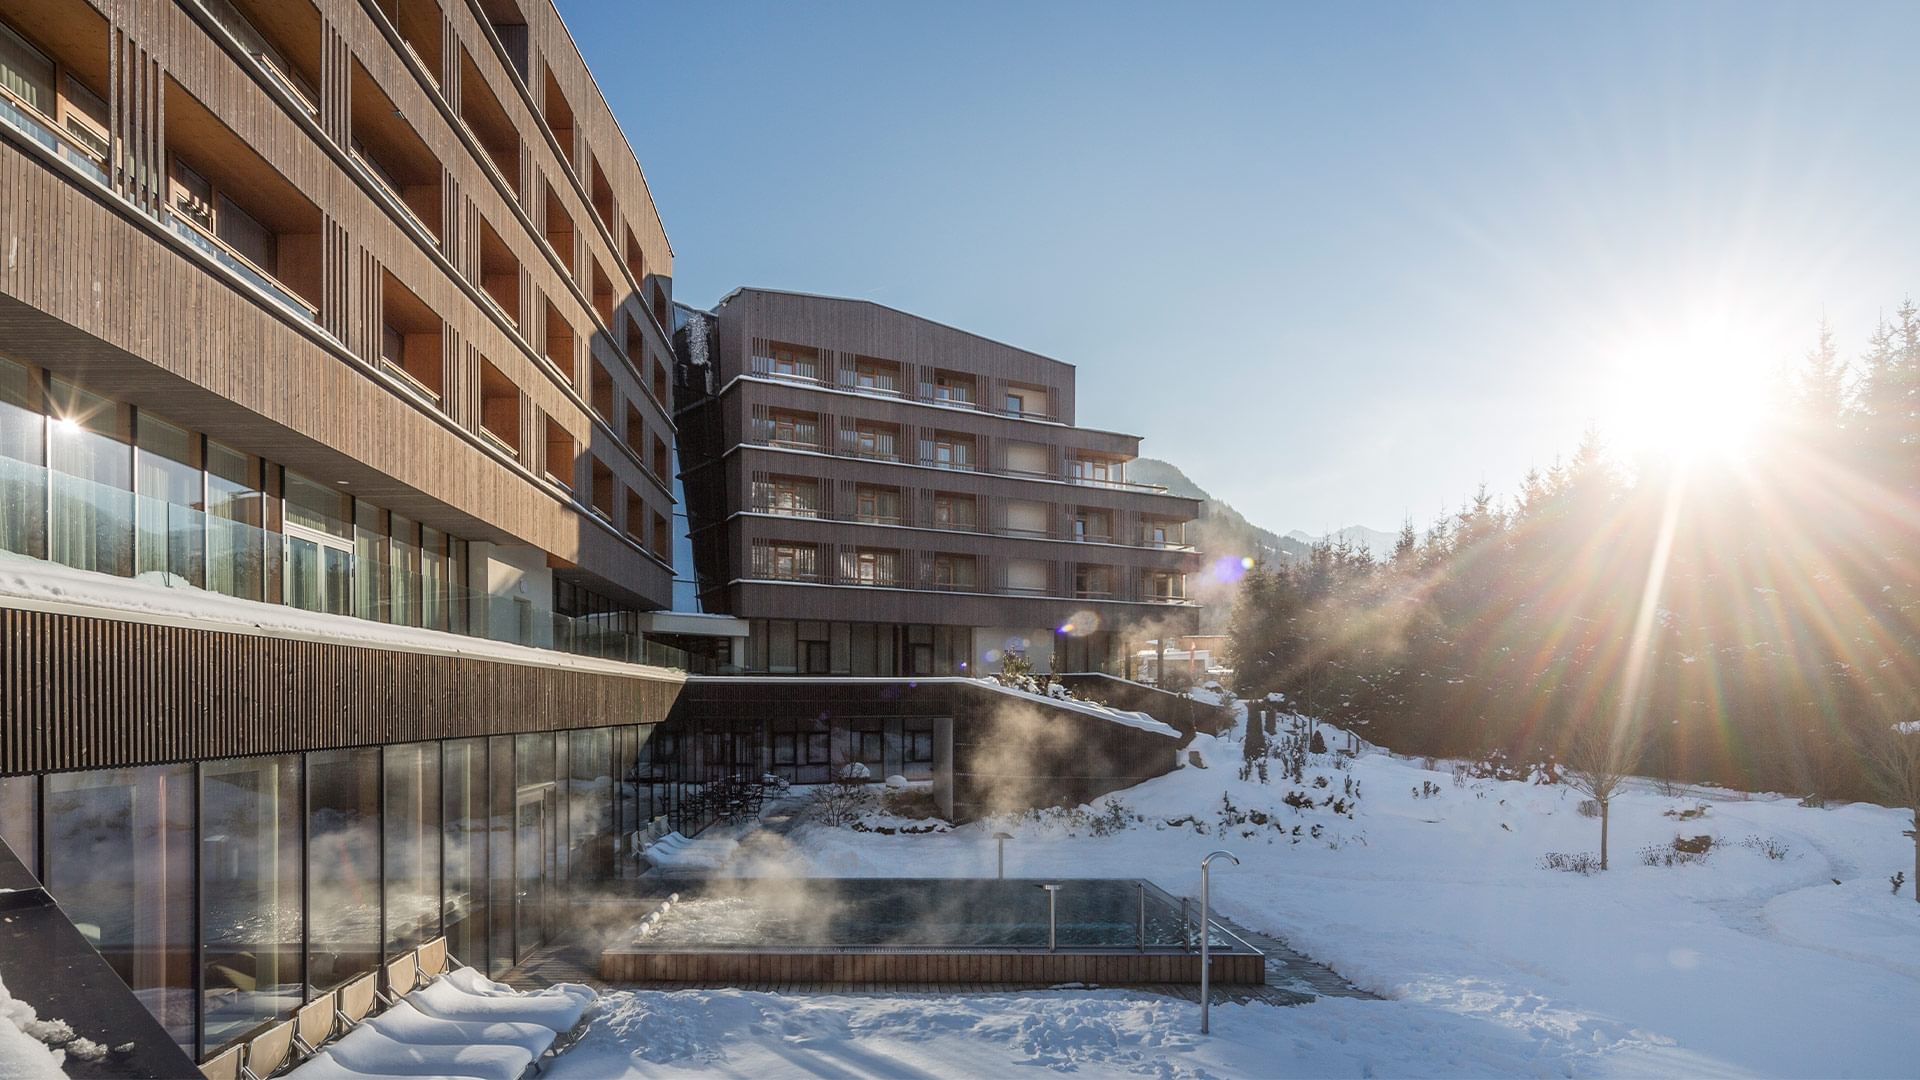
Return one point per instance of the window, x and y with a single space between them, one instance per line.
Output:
1092 525
499 407
955 511
343 864
954 571
635 433
1166 585
661 468
1014 403
790 495
873 567
192 194
1092 581
603 489
953 388
560 345
560 454
662 540
877 504
120 858
877 375
601 391
252 871
793 429
791 362
26 73
91 470
170 533
411 845
787 562
463 816
23 448
1094 470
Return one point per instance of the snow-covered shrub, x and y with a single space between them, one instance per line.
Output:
1898 879
839 804
1115 817
1687 813
1580 862
1588 807
1318 745
1427 790
1681 851
1771 846
1299 800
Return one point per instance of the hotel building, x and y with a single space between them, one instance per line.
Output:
880 494
335 485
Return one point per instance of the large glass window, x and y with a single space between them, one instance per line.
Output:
412 844
120 858
23 452
251 867
20 819
370 585
464 821
500 849
171 537
25 72
92 475
404 550
236 520
319 545
590 837
343 864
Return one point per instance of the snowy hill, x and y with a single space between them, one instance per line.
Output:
1380 543
1432 894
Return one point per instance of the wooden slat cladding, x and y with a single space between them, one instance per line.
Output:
86 693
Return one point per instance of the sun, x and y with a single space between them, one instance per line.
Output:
1690 397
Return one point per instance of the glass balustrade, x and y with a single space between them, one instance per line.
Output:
53 516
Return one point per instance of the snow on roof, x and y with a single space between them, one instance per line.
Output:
159 598
1125 717
22 1054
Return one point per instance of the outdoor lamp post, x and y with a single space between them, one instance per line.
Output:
1003 838
1206 972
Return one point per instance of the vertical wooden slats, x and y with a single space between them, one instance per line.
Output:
84 693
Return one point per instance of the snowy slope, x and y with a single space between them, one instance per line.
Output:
1492 964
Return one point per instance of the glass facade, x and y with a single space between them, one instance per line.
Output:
252 879
308 870
102 486
119 858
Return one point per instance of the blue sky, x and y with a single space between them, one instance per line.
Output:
1341 263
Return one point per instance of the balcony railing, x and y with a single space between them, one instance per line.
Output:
51 516
758 435
927 393
242 266
24 119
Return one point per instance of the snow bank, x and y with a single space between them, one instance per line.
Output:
22 1055
159 597
1432 894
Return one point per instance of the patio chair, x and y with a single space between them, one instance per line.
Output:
223 1066
403 977
356 1001
314 1024
268 1051
434 959
407 1024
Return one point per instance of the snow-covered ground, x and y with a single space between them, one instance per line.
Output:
1431 895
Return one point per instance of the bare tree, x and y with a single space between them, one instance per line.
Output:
1893 760
1601 758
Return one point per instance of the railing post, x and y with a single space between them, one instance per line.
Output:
1140 932
1053 896
1206 953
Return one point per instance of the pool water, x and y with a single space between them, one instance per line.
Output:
961 912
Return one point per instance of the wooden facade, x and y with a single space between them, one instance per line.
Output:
790 388
103 283
78 692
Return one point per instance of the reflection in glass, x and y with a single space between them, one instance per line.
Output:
20 819
120 859
171 533
412 845
464 817
500 849
343 864
590 806
236 518
23 451
250 876
92 475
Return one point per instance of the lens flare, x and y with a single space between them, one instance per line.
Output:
1081 624
1230 568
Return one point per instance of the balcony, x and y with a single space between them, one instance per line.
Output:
487 121
394 156
411 340
500 275
283 39
417 22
